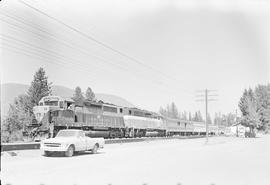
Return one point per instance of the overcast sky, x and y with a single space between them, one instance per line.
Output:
178 46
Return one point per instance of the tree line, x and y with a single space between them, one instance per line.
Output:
254 105
171 111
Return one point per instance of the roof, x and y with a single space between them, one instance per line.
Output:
58 98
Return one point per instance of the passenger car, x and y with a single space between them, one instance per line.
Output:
70 141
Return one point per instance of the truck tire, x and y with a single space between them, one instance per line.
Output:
70 151
95 148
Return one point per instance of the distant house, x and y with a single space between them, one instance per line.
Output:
236 130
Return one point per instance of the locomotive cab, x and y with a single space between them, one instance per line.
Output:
51 103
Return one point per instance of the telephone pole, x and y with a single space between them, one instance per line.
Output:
206 113
206 100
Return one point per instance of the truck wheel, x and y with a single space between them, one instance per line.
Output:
47 153
69 152
94 150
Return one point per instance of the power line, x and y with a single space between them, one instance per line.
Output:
62 42
33 48
97 41
51 54
65 57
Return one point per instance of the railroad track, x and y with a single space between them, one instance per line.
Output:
36 145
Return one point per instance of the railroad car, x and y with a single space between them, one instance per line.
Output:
175 126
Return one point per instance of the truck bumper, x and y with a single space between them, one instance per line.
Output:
54 149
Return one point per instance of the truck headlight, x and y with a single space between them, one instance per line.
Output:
65 144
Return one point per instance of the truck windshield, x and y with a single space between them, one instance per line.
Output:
67 133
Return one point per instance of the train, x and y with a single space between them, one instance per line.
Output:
101 119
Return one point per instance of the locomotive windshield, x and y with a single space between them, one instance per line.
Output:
51 103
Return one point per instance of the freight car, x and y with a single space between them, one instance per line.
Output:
99 119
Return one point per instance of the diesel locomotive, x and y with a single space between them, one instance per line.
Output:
100 119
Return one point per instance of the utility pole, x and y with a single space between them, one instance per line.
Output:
236 123
206 100
206 114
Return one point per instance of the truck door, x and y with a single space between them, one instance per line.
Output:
83 141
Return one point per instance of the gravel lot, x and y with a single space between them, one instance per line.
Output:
223 161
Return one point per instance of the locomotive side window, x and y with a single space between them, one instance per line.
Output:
138 113
109 109
61 104
68 104
121 110
51 103
129 111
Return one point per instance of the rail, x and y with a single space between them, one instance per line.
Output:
36 145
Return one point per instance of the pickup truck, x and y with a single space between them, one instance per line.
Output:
70 141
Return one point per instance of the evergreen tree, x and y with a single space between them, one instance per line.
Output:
250 110
218 119
162 111
89 94
20 112
200 118
189 116
170 111
242 103
78 96
39 88
195 117
262 94
209 120
183 115
174 111
17 118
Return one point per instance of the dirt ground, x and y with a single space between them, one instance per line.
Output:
223 161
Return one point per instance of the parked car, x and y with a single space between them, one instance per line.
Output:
70 141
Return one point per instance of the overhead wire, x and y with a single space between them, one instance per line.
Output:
34 50
29 52
58 40
98 41
62 42
69 45
52 51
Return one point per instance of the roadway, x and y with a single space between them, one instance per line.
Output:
224 160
